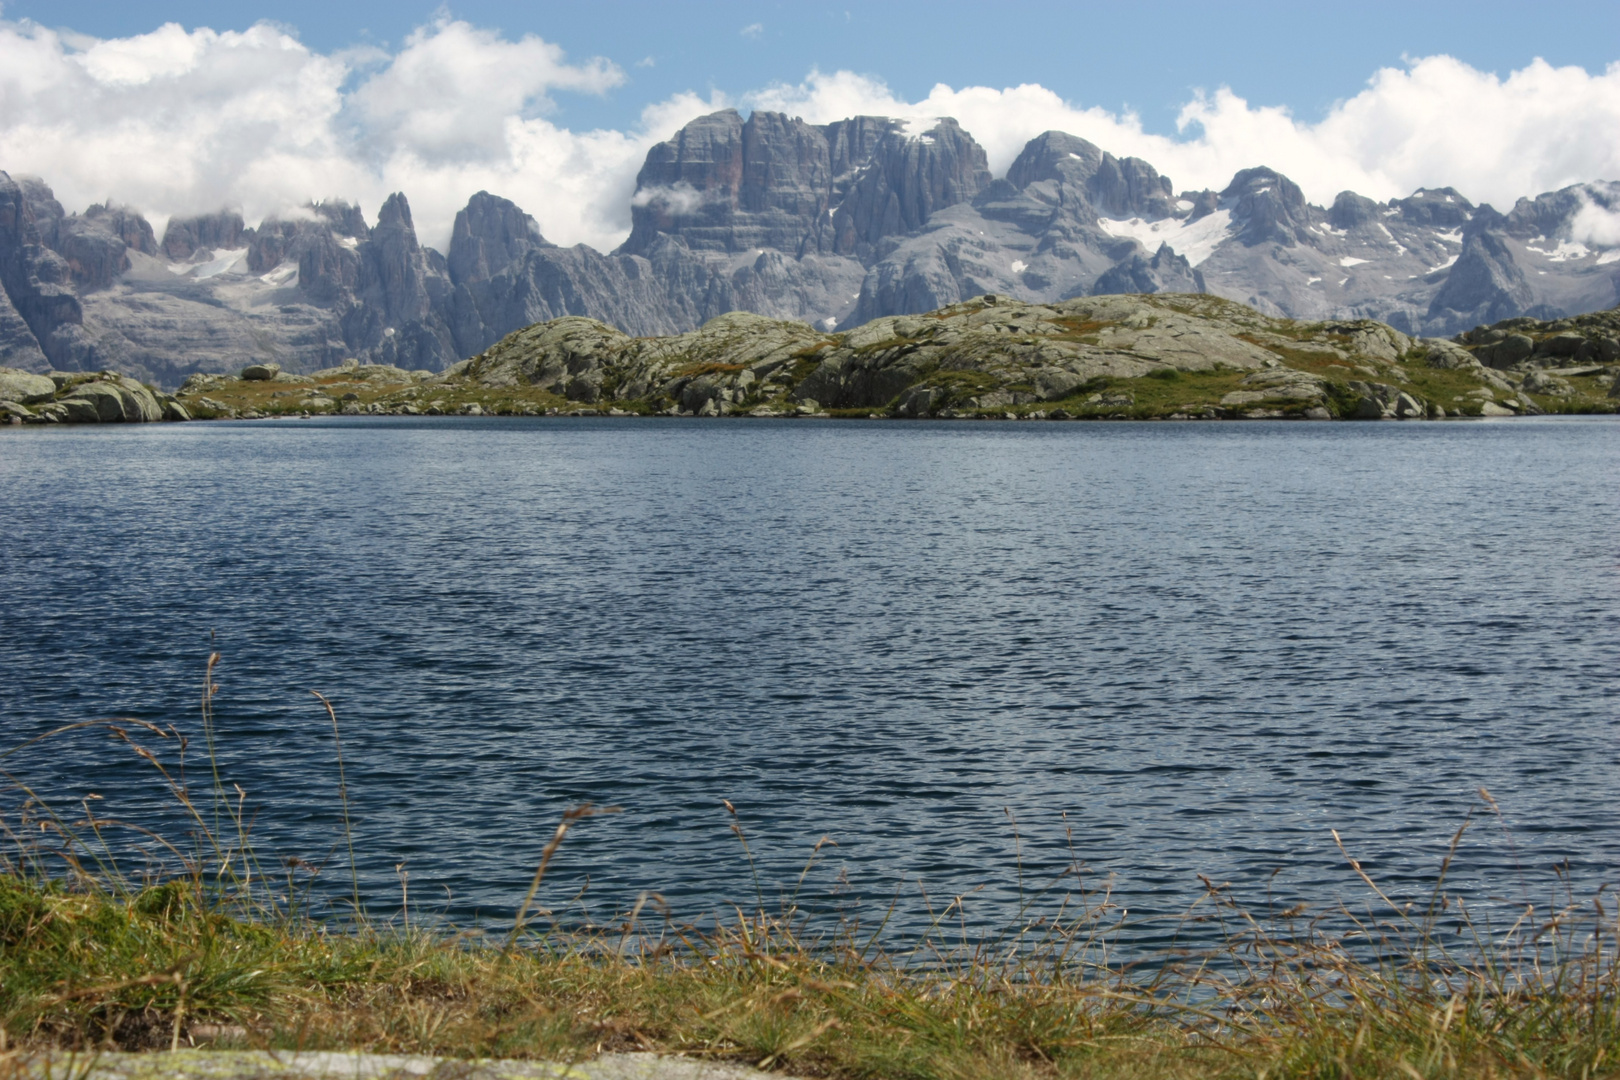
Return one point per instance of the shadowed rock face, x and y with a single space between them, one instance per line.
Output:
97 244
1268 208
276 241
38 283
1352 211
1485 285
1164 272
489 236
725 184
184 237
907 181
401 295
833 225
1090 182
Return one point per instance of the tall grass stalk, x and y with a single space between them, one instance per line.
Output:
343 797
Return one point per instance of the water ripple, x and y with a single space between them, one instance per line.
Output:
1166 649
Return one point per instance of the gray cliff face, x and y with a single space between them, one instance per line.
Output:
905 183
401 294
728 185
833 225
37 282
184 237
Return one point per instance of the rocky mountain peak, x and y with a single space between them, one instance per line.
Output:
185 236
1352 211
1130 187
1485 284
47 214
1550 215
489 235
394 220
728 184
1164 272
1055 155
1267 208
41 321
1441 208
851 144
907 180
126 224
1112 187
343 218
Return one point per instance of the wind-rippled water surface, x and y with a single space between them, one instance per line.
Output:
1167 649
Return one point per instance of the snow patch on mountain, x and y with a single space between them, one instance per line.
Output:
1195 241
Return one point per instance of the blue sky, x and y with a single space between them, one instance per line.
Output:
1147 58
186 106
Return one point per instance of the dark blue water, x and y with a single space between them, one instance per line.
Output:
1166 649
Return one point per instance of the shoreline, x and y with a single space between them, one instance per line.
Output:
1117 357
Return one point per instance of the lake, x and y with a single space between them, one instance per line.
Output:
1162 649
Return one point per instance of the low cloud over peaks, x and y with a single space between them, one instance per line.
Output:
178 121
183 121
1436 123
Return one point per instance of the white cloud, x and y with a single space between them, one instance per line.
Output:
1598 224
180 121
753 30
184 121
682 198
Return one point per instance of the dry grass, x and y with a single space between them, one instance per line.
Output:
222 950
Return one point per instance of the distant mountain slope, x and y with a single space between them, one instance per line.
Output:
832 225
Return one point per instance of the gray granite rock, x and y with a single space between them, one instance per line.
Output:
25 387
1512 349
113 400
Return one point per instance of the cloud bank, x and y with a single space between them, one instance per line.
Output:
179 121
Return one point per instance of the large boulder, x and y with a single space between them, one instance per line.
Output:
261 372
1447 354
25 387
112 401
1507 352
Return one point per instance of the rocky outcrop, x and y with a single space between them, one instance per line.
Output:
1098 356
71 398
1163 356
111 401
25 388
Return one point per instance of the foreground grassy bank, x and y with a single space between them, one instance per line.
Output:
216 945
86 968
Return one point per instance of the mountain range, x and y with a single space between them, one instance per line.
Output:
833 225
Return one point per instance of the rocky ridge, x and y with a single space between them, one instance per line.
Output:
1159 356
833 225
